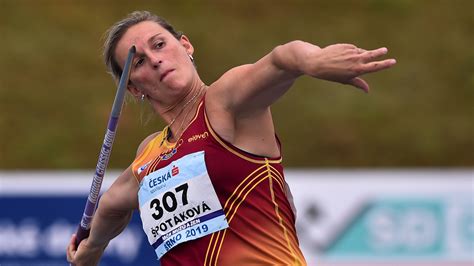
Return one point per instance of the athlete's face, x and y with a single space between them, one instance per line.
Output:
161 68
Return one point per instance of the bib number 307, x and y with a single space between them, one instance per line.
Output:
169 201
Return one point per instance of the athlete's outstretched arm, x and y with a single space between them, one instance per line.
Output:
239 102
255 86
112 216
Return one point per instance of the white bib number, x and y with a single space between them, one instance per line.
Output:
178 203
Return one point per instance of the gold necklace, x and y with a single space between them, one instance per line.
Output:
169 134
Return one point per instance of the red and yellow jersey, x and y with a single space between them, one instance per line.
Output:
253 194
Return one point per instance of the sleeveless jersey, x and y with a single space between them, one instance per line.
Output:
250 190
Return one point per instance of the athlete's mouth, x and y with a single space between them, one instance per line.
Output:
165 74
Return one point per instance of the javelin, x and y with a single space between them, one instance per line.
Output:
89 210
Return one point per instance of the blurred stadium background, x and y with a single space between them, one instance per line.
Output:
402 154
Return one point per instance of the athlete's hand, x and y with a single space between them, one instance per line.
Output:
345 63
84 255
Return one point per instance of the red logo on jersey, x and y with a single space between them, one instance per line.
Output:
175 171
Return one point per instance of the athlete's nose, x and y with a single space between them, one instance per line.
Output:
155 61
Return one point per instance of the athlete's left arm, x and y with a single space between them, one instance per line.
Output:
256 86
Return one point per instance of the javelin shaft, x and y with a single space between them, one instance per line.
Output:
104 155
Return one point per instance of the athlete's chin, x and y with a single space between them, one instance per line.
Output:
176 85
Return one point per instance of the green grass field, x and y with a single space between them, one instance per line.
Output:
55 96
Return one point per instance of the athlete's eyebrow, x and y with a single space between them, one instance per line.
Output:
152 38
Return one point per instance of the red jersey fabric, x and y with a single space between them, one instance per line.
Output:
252 191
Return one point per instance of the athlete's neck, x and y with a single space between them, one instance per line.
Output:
184 114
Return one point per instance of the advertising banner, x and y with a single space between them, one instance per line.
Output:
385 217
40 212
343 218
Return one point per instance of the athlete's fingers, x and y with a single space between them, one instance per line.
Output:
371 55
71 248
360 84
377 66
72 243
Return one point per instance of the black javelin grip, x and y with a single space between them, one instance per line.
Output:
91 204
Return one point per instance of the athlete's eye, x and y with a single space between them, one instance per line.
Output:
159 44
139 62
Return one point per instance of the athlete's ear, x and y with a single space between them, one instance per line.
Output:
134 90
186 43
